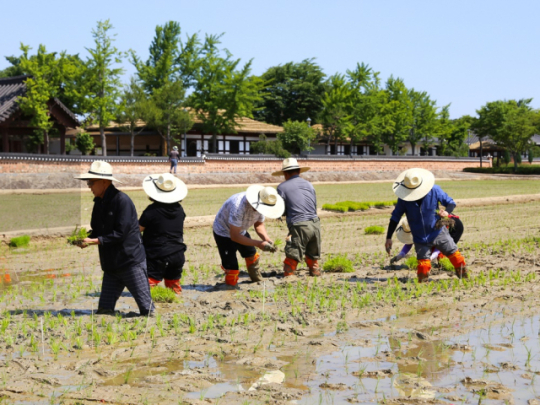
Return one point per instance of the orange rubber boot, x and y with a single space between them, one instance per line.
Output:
174 285
289 267
424 266
458 261
313 265
153 282
231 276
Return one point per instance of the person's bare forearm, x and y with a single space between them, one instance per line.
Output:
244 240
261 231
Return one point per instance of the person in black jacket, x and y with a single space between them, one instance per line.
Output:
115 230
162 224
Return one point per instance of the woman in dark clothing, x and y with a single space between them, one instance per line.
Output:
162 224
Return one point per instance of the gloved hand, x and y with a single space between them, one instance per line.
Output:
269 247
396 259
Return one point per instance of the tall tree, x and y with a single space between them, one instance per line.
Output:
131 112
367 100
423 119
102 79
397 112
452 140
170 59
336 102
223 94
163 112
293 91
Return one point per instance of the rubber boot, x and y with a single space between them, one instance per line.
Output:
289 267
253 269
313 265
174 285
458 261
231 276
424 266
153 282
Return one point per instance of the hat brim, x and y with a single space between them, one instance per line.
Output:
269 211
406 194
281 172
89 176
404 237
166 197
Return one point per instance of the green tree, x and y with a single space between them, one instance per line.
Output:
130 115
293 91
223 94
85 143
397 113
170 58
366 121
163 112
297 136
336 102
102 80
14 70
424 119
452 134
509 123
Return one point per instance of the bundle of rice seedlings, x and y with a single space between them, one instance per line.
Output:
163 294
19 241
77 236
411 262
446 264
338 264
374 230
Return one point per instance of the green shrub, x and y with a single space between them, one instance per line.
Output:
338 264
163 294
411 262
19 241
85 143
374 230
77 236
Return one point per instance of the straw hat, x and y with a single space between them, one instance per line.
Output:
175 147
99 170
164 188
266 201
413 184
290 164
403 232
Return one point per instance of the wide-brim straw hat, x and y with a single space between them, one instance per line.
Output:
403 232
165 188
413 184
266 201
99 170
290 164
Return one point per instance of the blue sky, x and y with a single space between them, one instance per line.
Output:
461 52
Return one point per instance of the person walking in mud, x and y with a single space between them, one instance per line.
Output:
235 217
418 199
173 158
162 224
304 238
115 230
404 235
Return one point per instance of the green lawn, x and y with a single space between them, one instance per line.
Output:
53 210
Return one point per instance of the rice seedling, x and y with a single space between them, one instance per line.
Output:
338 264
19 241
163 294
374 230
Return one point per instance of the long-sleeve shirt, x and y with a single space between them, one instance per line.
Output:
114 222
422 215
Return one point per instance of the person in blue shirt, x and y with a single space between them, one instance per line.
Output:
419 199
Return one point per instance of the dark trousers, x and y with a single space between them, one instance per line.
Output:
135 280
168 268
174 163
228 248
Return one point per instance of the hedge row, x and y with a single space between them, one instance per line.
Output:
526 169
346 206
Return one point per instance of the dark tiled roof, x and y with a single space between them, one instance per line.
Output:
10 89
13 87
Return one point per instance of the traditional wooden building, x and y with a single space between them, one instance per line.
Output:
15 125
191 143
